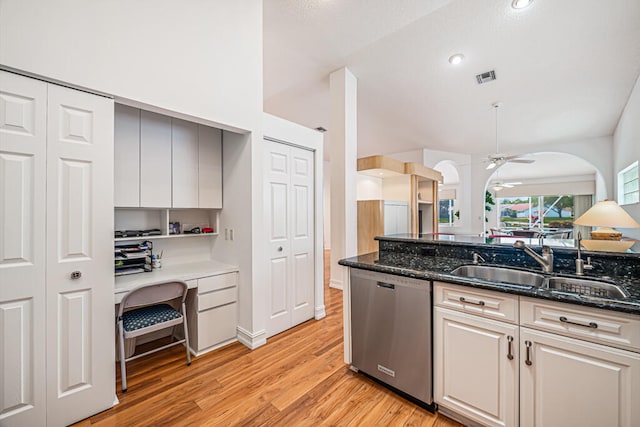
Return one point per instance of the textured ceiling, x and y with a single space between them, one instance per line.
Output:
564 69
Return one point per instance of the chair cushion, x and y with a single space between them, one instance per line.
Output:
148 316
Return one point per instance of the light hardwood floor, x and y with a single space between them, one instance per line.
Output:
297 379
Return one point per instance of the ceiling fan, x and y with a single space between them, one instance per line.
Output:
499 159
499 185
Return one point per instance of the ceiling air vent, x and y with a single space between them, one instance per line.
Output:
486 77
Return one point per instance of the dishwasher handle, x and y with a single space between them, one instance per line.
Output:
386 285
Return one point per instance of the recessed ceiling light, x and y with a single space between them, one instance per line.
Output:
520 4
456 59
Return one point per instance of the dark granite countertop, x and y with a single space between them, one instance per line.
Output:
405 263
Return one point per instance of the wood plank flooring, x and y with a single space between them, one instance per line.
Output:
297 379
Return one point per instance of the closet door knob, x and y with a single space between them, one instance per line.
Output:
76 274
279 248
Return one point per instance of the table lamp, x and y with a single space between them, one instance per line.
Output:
605 215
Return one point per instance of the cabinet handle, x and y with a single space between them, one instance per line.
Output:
466 301
510 344
593 325
528 361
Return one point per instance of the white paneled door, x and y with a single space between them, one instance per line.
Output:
23 137
80 312
56 268
290 223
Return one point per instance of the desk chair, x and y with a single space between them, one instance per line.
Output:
152 312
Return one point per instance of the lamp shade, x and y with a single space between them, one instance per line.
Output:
607 214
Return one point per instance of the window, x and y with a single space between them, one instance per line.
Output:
628 185
446 212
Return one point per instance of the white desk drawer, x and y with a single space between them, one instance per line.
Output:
490 304
216 325
606 327
217 298
212 283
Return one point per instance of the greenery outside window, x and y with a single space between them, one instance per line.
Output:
628 185
446 212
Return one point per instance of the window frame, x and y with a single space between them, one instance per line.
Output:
622 195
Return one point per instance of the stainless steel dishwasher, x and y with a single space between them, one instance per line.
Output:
391 331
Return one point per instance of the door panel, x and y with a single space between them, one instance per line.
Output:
23 138
473 375
80 374
155 160
575 383
209 167
290 220
74 221
184 164
127 157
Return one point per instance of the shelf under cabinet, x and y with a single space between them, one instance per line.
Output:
163 236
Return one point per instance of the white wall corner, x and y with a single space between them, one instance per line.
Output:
252 340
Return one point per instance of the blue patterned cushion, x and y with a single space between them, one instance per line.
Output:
148 316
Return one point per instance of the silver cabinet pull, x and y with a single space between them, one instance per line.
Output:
528 361
464 300
76 274
593 325
279 248
510 344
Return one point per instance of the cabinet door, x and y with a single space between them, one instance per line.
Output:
184 141
155 160
80 310
575 383
473 374
209 167
23 143
126 150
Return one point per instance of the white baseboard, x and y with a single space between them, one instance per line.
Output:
320 312
336 284
251 340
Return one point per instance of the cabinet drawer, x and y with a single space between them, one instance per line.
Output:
490 304
212 283
216 298
216 325
611 328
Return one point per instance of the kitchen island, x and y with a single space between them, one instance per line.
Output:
525 354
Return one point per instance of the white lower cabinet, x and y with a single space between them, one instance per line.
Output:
476 367
212 312
554 379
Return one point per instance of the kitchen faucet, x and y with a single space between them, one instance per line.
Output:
580 265
545 260
477 258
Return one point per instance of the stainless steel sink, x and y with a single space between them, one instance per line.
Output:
594 288
500 274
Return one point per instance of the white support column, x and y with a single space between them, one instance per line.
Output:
343 135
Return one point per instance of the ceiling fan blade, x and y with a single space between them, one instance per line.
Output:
520 161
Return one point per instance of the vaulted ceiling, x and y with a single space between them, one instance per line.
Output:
564 68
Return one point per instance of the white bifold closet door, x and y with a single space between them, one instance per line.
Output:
290 220
56 268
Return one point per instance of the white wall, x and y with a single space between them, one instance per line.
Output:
368 187
202 59
626 144
326 166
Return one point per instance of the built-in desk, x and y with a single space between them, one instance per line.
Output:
211 303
